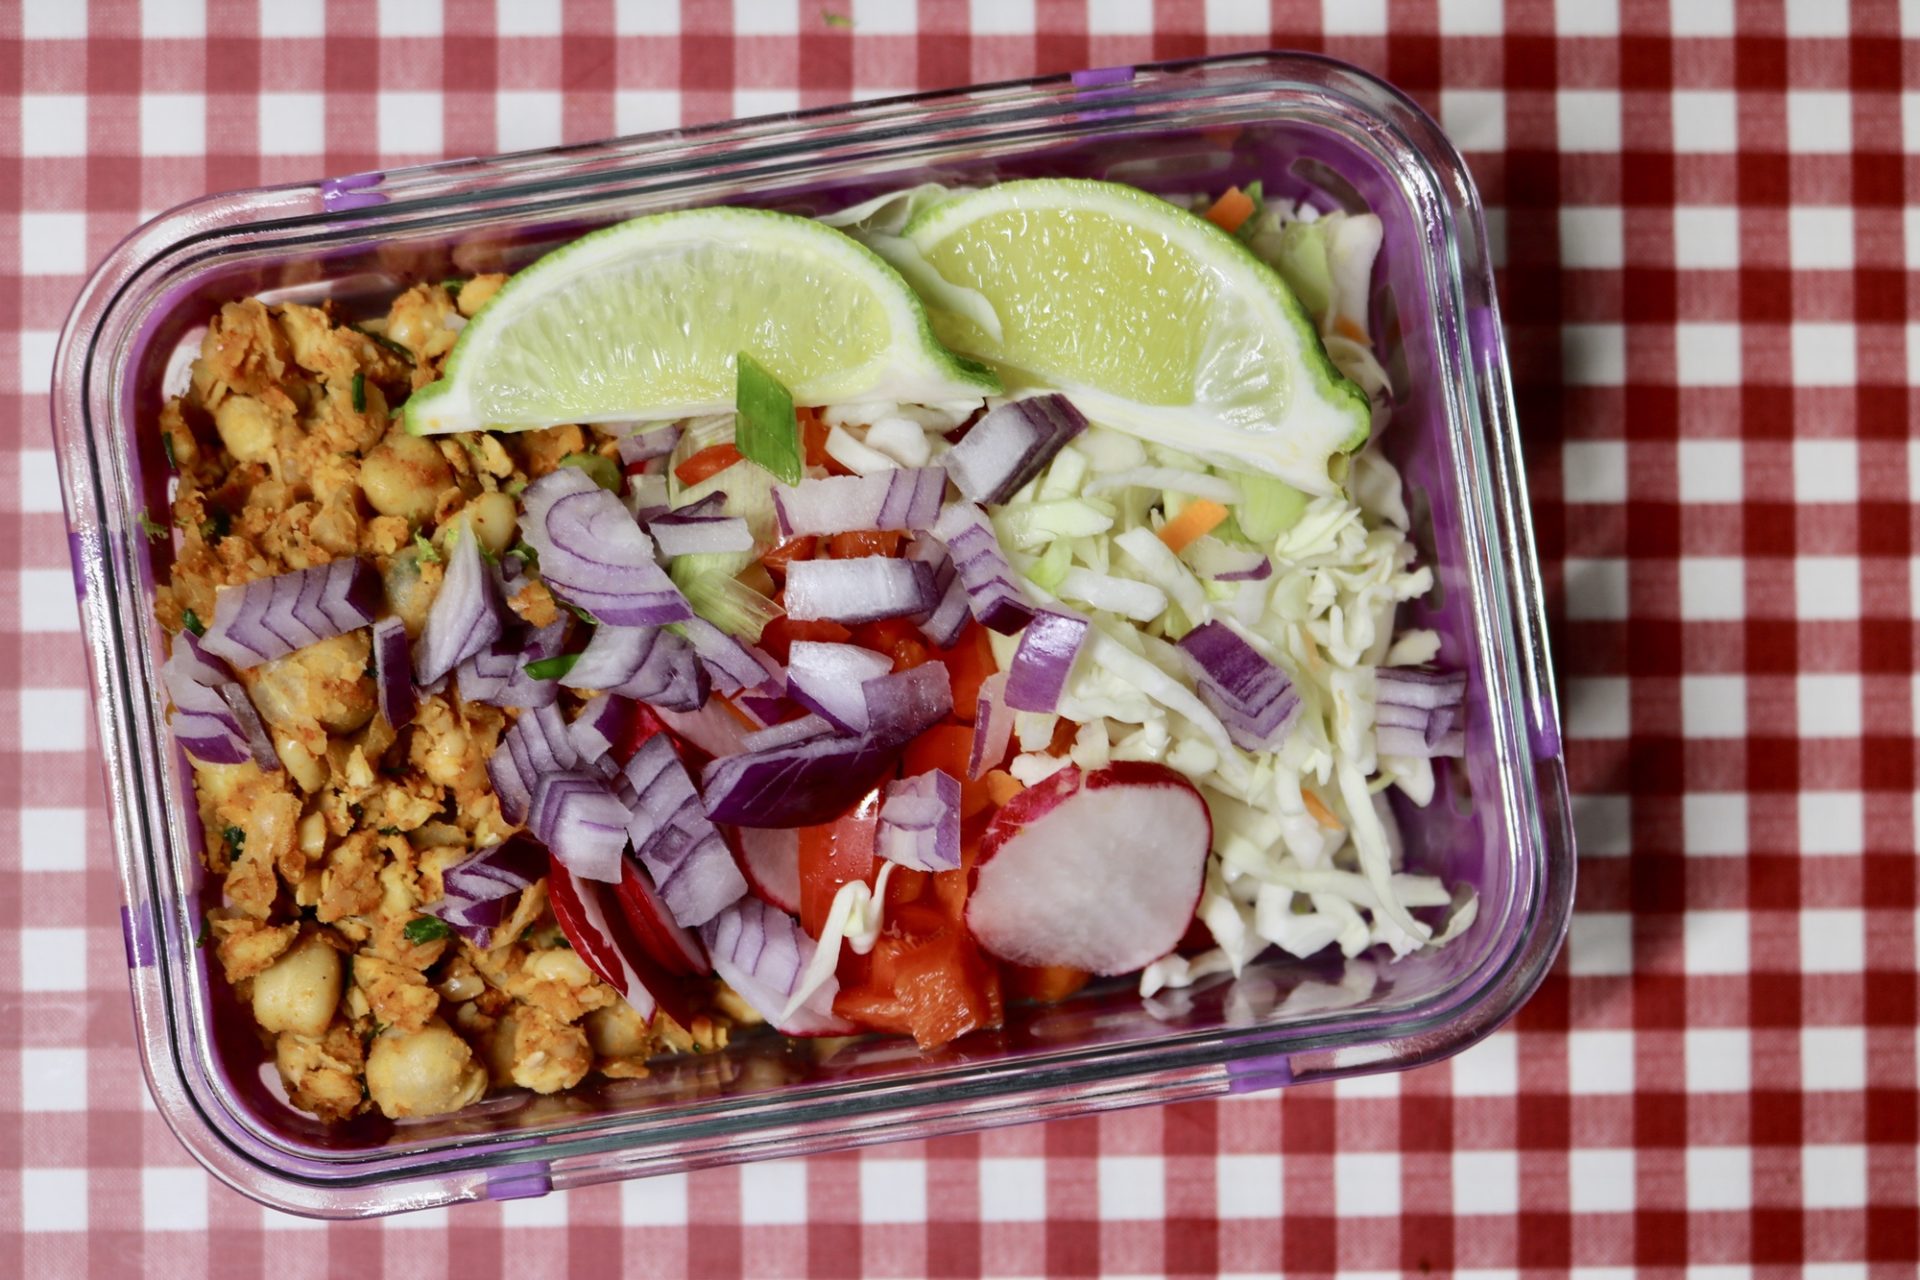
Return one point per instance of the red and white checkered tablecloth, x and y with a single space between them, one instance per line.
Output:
1708 216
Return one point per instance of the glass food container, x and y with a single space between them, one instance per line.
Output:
1304 126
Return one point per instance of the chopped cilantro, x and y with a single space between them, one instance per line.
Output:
155 531
236 840
215 526
424 929
453 288
428 553
206 932
515 488
381 339
581 614
166 444
1254 191
526 553
191 621
359 391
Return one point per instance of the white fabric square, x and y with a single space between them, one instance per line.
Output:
53 244
1347 18
173 19
1829 706
524 120
1594 471
1826 471
1833 940
1719 1059
53 719
1834 1176
1714 823
1476 119
1000 17
1712 588
1236 17
1832 822
893 1190
1594 355
1132 1188
174 1198
1013 1189
1823 354
1714 942
1705 120
1249 1186
1834 1271
1702 18
274 1220
1826 587
1833 1059
47 601
1597 707
1910 120
649 1202
1816 18
54 20
1592 236
53 1200
1486 1182
409 123
1710 470
293 124
1719 1178
748 103
294 18
1599 1062
1706 236
1597 589
1110 18
37 347
1378 1084
1600 944
549 1210
1589 119
773 1193
1490 1069
1820 238
39 481
53 839
410 18
53 959
418 1220
1586 17
53 124
1605 825
657 18
1707 355
173 124
1470 18
542 18
1713 706
1366 1184
53 1079
1600 1180
1819 121
645 110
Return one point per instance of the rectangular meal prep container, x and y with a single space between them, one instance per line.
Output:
1305 126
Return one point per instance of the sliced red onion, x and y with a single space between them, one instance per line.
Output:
252 730
712 728
992 594
1044 659
787 731
898 498
606 719
1411 687
1253 698
771 858
647 497
732 663
537 743
679 534
760 952
992 726
1418 713
393 673
213 717
465 616
271 617
593 555
676 842
904 703
827 678
654 442
1011 445
763 710
520 689
581 821
920 822
943 623
862 589
649 664
480 894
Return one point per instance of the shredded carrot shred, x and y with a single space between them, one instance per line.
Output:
1201 516
1321 814
1346 328
1232 209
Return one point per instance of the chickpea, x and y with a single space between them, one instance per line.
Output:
410 590
300 990
494 521
246 427
404 476
324 683
559 965
313 834
617 1031
428 1072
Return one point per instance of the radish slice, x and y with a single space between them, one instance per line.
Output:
1099 871
675 949
771 858
600 938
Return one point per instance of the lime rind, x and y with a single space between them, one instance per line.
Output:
580 335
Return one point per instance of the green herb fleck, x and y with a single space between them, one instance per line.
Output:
602 470
526 553
166 444
358 810
155 531
379 1028
453 288
359 391
581 614
1256 192
206 933
466 441
551 668
765 430
236 841
381 339
424 548
389 831
191 621
515 488
832 19
424 929
215 526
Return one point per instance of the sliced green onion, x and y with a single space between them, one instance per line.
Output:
600 470
359 391
551 668
381 339
1268 506
765 430
191 621
1256 192
424 929
425 550
453 288
731 605
166 444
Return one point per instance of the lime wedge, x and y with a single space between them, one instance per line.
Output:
1155 321
641 321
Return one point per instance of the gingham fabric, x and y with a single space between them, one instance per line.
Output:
1706 217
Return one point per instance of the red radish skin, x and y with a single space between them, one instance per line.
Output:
1099 871
675 949
589 914
770 859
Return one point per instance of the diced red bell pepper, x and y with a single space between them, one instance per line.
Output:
813 436
949 747
834 853
935 987
864 542
969 662
707 463
780 634
1047 984
897 638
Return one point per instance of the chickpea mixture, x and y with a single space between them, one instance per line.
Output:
288 457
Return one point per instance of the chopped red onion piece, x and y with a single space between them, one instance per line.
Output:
992 594
765 711
787 731
536 744
678 533
760 952
1011 445
863 589
652 442
606 719
580 820
1044 659
465 616
732 663
480 893
393 673
943 623
897 498
593 555
1411 687
904 703
271 617
1418 713
647 497
676 842
1253 698
213 717
827 678
650 664
920 822
520 689
992 726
